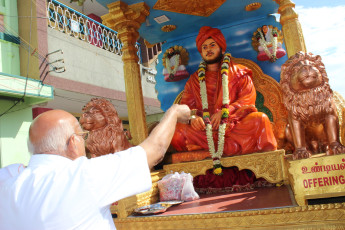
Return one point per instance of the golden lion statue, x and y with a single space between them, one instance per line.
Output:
312 121
106 131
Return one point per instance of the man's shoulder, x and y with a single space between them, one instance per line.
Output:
239 66
193 78
243 71
10 171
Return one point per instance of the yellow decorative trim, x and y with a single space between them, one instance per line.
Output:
168 28
293 35
325 216
178 97
192 7
340 104
273 98
268 165
149 45
125 207
253 6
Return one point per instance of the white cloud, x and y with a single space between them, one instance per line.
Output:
324 34
242 31
243 42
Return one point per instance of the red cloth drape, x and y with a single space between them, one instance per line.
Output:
248 131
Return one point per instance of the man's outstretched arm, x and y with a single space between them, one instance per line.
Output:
159 140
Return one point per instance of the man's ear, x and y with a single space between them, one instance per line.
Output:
72 147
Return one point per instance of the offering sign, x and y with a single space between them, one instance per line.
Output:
319 177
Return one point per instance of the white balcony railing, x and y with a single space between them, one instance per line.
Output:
75 24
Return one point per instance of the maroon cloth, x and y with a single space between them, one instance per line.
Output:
231 176
38 110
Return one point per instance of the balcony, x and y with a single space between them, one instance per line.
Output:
91 54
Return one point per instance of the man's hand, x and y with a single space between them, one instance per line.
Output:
197 123
215 120
183 113
158 141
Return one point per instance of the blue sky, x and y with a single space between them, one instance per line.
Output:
323 25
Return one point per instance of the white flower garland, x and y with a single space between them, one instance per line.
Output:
175 59
275 44
216 156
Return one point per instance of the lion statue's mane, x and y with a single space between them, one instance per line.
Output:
307 105
111 137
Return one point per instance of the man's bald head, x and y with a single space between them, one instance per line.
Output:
50 131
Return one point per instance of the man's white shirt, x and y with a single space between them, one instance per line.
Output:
54 192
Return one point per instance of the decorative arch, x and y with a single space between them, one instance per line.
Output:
273 98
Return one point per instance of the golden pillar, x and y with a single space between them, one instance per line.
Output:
292 29
126 20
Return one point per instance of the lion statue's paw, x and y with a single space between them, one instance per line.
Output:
301 153
335 148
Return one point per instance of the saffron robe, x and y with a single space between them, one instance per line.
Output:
247 131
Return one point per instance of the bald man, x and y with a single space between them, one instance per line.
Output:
62 189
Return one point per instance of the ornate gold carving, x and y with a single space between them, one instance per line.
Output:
193 7
317 177
268 165
285 4
178 97
135 102
125 207
127 20
168 28
293 36
271 91
149 45
325 216
340 104
253 6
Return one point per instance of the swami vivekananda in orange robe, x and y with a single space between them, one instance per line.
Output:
247 131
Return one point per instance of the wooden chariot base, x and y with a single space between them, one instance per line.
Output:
261 208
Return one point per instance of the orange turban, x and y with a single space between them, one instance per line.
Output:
209 32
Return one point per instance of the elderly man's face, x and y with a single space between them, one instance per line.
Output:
210 51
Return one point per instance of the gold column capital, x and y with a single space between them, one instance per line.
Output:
122 15
293 36
286 10
284 3
126 20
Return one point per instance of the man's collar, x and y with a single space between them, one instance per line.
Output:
47 159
